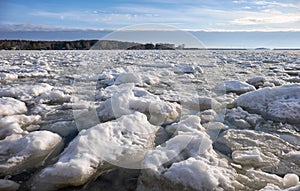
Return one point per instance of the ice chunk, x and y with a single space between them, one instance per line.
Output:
235 86
127 100
128 78
242 119
187 69
8 76
271 187
25 91
8 185
22 120
187 123
251 156
260 179
16 124
280 104
213 129
52 97
208 115
19 153
11 106
150 79
186 161
122 142
290 180
201 103
269 156
256 81
196 174
63 128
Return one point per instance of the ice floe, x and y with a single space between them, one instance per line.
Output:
121 142
11 106
19 153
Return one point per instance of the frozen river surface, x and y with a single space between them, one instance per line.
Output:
150 120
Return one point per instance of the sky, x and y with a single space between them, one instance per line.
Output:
193 15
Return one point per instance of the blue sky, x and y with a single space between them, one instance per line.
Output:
208 15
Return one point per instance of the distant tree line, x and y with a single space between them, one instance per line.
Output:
81 45
46 45
150 46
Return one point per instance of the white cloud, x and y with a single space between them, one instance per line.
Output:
274 3
194 17
240 1
247 7
267 17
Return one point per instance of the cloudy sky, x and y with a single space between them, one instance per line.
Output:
212 15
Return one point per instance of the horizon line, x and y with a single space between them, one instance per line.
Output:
45 28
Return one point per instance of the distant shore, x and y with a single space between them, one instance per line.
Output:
102 45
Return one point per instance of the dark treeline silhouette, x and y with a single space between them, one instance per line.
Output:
150 46
46 45
64 45
80 45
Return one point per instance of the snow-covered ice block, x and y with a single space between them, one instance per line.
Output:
208 115
265 150
201 103
198 175
23 120
190 69
52 97
259 179
11 106
186 162
290 180
187 123
280 104
252 157
19 153
128 100
8 76
128 78
257 81
235 86
16 124
122 142
242 119
25 91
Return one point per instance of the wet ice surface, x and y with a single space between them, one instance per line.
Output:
190 120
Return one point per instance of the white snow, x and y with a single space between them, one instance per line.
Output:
11 106
235 86
25 91
128 78
279 104
186 123
127 100
114 99
248 157
195 173
7 76
122 142
16 124
55 96
190 69
193 163
290 180
19 153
